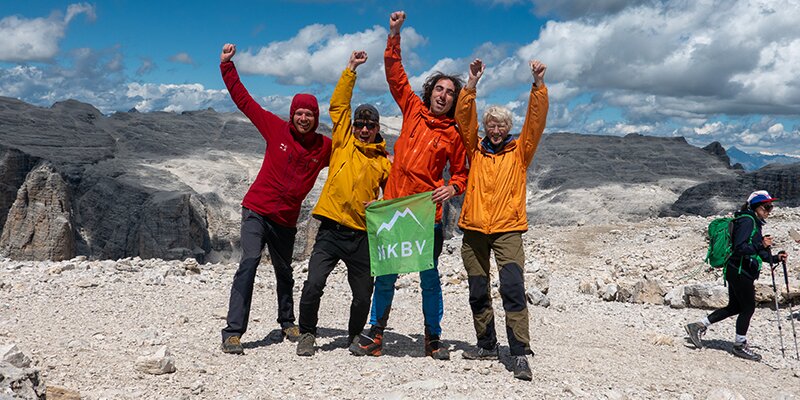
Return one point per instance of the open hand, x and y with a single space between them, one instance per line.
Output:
476 68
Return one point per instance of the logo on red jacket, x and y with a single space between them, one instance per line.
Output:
283 146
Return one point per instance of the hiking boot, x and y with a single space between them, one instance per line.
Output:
232 345
305 346
522 370
742 350
370 344
696 330
291 332
479 353
435 349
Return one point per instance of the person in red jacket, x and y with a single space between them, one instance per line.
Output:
294 156
428 140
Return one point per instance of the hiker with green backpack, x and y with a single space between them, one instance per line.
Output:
748 248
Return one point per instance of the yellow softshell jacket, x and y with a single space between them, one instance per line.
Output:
358 170
495 197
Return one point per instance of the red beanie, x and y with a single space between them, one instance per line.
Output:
307 101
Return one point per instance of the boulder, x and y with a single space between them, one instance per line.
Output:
23 383
706 295
609 292
537 298
625 292
61 393
537 276
11 354
648 291
156 364
676 297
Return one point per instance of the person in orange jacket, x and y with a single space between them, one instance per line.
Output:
494 215
428 140
359 168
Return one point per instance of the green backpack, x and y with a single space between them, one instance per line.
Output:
720 246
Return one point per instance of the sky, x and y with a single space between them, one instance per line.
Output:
706 70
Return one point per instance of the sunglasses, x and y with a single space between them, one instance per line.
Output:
767 207
362 124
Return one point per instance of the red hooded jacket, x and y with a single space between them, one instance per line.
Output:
290 168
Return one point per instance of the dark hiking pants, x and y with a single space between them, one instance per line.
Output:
335 242
256 232
510 258
741 301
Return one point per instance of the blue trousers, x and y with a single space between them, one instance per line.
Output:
432 301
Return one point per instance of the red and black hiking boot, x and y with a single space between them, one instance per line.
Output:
435 349
370 344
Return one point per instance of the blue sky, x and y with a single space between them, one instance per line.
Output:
706 70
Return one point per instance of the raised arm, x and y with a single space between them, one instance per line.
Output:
396 76
342 94
536 117
241 97
466 112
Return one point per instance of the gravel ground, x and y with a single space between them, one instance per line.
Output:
85 323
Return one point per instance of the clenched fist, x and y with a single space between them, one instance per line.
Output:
228 50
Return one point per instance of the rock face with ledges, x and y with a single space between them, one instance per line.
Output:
728 195
605 179
39 223
14 167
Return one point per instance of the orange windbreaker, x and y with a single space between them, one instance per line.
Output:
495 197
426 143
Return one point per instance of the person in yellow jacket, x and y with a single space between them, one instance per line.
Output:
357 174
494 216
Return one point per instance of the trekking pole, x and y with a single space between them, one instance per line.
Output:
777 308
791 310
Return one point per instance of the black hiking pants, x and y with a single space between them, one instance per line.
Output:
336 242
256 232
741 300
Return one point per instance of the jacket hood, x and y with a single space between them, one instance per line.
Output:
307 101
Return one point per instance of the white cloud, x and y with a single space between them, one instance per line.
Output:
97 78
319 53
37 39
710 129
182 58
174 98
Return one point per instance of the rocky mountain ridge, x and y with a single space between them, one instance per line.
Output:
166 185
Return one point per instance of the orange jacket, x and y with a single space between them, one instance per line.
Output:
495 197
426 143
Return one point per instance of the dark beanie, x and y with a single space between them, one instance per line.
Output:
307 101
367 112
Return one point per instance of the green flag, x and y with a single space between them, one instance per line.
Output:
400 233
